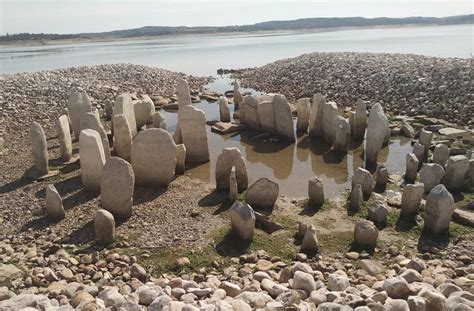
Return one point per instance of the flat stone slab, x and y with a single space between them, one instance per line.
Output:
38 176
226 128
173 106
464 217
451 131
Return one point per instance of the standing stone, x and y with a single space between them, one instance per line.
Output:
438 210
303 110
122 137
154 158
470 173
104 224
266 117
92 157
242 218
381 177
224 109
411 199
411 167
356 197
90 121
283 118
360 120
116 187
377 212
180 159
316 116
78 104
159 121
192 123
39 148
377 129
233 187
365 233
249 108
419 152
124 105
363 178
456 171
431 175
329 121
425 139
64 137
262 194
310 243
315 192
109 109
342 134
238 99
144 110
54 203
184 96
65 112
441 154
231 157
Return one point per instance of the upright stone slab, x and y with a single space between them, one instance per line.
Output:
92 159
456 171
233 187
310 243
425 139
470 173
122 137
303 109
159 121
54 203
124 105
192 122
144 110
441 154
438 210
78 104
90 121
238 99
316 116
116 187
65 112
39 148
180 159
365 233
104 224
411 199
315 192
64 138
419 152
377 127
224 111
342 134
377 212
283 118
242 218
356 197
266 117
329 121
263 193
154 158
365 179
411 167
381 177
249 108
184 96
109 109
231 157
431 175
360 120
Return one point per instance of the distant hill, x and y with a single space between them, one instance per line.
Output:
298 24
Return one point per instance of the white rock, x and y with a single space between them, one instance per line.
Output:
192 123
396 287
337 282
78 104
64 138
144 110
54 203
104 224
329 121
303 281
431 175
39 148
283 118
122 137
438 210
316 116
90 121
224 109
124 105
231 157
411 198
92 159
377 129
310 242
184 96
303 110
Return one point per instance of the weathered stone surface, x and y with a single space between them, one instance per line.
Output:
441 154
464 217
64 138
381 176
159 121
109 109
310 242
124 105
231 157
266 117
316 116
39 148
224 111
377 129
419 152
192 123
360 120
226 128
425 139
249 109
303 110
470 173
283 118
92 159
329 121
411 198
238 99
396 287
407 129
78 104
180 159
263 193
233 187
122 137
104 225
456 170
65 112
154 158
315 192
8 273
411 169
377 212
364 178
54 203
116 187
342 134
184 95
438 210
365 233
373 267
144 110
431 175
242 218
337 282
90 120
356 197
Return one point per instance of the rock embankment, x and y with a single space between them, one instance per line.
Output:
403 83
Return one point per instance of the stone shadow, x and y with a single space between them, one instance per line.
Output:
216 197
143 194
231 245
310 210
82 235
38 224
334 157
21 182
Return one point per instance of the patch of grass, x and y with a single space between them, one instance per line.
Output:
465 198
457 230
336 242
392 218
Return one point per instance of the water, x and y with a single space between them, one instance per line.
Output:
204 54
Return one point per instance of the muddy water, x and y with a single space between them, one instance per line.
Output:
289 165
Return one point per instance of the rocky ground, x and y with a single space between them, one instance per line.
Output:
404 84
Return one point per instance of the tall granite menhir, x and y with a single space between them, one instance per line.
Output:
192 123
78 104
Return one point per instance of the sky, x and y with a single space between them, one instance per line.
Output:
76 16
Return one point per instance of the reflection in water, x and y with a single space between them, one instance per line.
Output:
290 165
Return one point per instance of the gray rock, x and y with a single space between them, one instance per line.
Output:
122 137
159 121
233 188
184 96
431 175
411 198
303 281
342 134
180 159
39 148
315 192
192 123
92 157
377 131
104 225
411 170
242 218
263 193
441 154
224 109
329 121
419 152
249 110
396 288
54 203
266 117
456 170
356 197
425 139
373 267
90 121
438 210
316 116
8 273
377 212
363 178
78 104
434 301
310 242
144 110
238 99
337 282
283 118
360 120
396 305
64 138
365 233
124 105
254 299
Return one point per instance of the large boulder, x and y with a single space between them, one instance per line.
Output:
303 110
64 138
283 118
124 105
377 129
90 121
39 148
154 158
456 170
396 287
329 121
242 218
315 192
231 157
365 179
104 225
316 116
192 123
342 134
431 175
54 203
122 137
438 210
411 198
365 233
78 104
263 193
91 152
224 111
